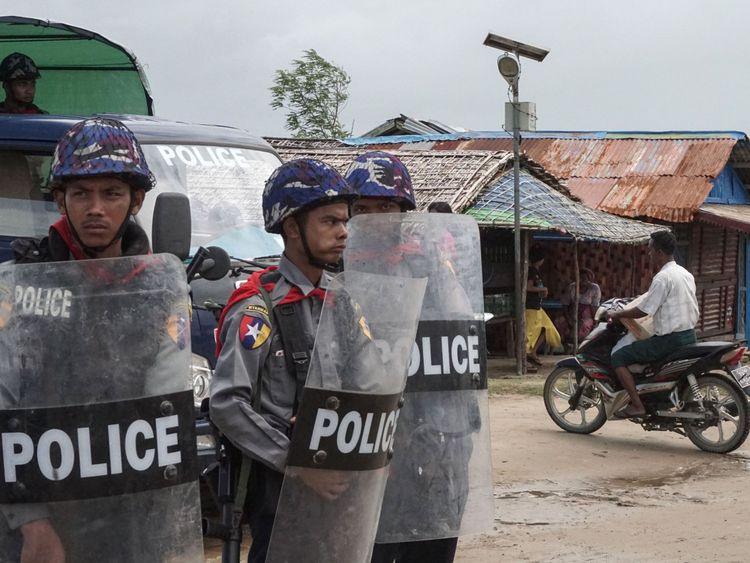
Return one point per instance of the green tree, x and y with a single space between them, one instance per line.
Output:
314 92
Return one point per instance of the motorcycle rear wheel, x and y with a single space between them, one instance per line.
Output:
590 415
730 406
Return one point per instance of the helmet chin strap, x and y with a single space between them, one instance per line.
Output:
311 259
94 251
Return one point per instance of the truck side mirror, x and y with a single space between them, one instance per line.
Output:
170 229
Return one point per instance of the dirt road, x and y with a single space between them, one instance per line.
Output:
620 494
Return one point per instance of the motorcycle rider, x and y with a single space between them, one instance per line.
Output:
672 302
383 185
99 178
307 203
19 74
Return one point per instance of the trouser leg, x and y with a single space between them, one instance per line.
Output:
260 528
385 552
430 551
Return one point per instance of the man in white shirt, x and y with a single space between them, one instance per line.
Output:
672 302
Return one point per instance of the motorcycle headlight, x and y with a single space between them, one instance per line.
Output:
200 377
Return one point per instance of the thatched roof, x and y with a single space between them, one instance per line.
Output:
480 183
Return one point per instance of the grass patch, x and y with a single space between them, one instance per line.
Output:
515 385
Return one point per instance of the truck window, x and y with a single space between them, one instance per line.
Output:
225 187
26 210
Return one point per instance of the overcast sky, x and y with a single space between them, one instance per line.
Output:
613 65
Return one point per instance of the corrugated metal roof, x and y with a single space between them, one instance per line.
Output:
405 125
732 216
667 198
591 191
661 175
599 135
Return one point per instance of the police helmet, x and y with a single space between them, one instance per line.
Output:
382 175
100 147
18 66
299 185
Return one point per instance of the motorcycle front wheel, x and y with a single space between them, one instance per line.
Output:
729 423
590 415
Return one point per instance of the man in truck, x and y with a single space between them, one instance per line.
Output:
19 74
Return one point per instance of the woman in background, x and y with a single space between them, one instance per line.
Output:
539 327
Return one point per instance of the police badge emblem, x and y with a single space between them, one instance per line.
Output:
254 331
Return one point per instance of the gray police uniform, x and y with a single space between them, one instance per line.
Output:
251 343
264 437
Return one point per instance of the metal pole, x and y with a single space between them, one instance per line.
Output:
520 289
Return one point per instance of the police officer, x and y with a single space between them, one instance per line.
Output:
99 178
383 185
19 75
307 203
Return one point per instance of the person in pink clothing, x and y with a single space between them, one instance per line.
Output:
589 297
447 242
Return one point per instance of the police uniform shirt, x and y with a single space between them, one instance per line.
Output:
251 342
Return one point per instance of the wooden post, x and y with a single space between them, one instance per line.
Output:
577 299
521 315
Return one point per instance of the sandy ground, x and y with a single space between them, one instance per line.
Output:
620 494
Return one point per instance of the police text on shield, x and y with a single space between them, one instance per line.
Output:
57 452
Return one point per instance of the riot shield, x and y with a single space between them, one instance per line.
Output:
440 483
341 443
96 411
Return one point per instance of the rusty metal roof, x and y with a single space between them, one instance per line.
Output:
731 216
664 176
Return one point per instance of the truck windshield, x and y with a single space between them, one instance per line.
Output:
225 187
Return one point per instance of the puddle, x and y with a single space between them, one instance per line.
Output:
713 467
543 503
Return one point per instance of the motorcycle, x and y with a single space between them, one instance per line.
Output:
698 391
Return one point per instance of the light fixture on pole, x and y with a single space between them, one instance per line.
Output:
510 70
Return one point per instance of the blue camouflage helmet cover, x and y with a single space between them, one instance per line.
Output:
100 147
298 185
18 66
382 175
